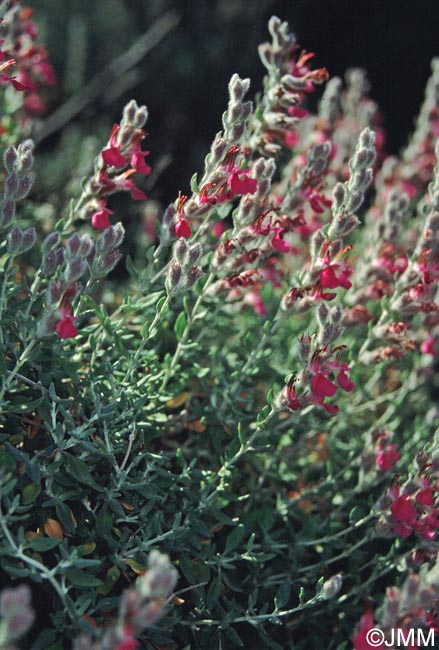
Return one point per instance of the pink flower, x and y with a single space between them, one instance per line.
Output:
361 638
278 242
403 510
128 641
387 458
425 497
139 164
293 403
99 219
218 229
239 182
329 279
291 139
344 381
296 111
182 228
428 346
112 156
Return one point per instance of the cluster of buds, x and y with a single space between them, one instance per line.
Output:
411 507
141 607
107 253
288 81
20 241
349 196
183 270
226 172
18 162
409 610
326 269
117 162
17 615
32 69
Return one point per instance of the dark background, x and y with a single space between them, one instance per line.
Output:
183 80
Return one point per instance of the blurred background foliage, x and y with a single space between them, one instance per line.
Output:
183 78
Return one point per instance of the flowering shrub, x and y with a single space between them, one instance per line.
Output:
252 413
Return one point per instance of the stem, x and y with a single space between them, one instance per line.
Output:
7 271
20 362
190 321
341 533
43 570
140 349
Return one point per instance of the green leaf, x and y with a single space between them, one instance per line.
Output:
104 523
234 637
30 493
282 594
81 579
214 592
41 544
355 515
194 184
131 268
235 538
180 325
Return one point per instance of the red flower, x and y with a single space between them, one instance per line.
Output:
112 156
425 497
99 219
403 510
278 243
291 138
65 327
387 458
139 164
360 640
239 183
293 403
182 228
344 381
296 111
322 387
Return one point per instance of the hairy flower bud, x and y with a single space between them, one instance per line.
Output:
51 241
10 158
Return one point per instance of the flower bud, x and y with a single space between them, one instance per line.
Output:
29 237
75 269
14 240
11 185
10 158
51 241
49 263
194 254
7 213
193 276
24 187
174 276
73 245
180 250
331 587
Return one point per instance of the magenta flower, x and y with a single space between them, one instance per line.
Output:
278 242
183 228
239 182
99 219
65 327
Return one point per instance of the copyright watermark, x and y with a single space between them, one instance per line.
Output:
400 638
